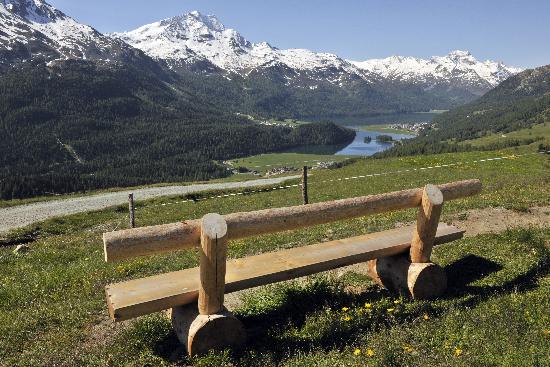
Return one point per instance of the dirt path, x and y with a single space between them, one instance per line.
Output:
20 216
495 220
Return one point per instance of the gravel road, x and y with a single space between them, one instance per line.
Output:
20 216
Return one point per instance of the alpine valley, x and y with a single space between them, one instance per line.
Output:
166 102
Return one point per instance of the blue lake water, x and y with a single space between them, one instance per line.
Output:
360 148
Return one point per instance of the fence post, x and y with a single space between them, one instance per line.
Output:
132 212
304 186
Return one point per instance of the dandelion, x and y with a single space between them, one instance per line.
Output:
390 310
426 317
458 352
357 352
345 309
347 318
369 352
368 305
408 348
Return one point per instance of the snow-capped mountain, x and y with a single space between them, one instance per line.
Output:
257 76
31 29
196 38
458 68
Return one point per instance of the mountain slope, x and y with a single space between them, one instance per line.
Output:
458 69
80 125
202 43
33 29
519 102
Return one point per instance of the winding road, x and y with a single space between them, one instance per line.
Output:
23 215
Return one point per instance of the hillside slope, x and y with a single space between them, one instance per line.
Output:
520 102
79 125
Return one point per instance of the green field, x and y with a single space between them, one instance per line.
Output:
495 313
534 132
264 162
385 129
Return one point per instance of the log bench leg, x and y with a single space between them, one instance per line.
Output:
417 280
209 326
202 333
418 277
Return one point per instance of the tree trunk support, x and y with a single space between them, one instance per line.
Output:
416 277
210 326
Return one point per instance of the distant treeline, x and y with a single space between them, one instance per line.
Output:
81 126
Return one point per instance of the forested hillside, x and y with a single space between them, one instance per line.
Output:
82 125
519 102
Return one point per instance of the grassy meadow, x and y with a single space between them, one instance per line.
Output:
533 132
495 313
384 129
265 162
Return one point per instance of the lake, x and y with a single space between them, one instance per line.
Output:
360 148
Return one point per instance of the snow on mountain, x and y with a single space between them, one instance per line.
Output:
194 37
34 28
457 64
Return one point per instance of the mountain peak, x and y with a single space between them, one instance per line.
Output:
459 53
37 11
196 20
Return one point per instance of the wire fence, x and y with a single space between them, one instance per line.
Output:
340 179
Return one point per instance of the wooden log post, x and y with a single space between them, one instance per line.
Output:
131 243
416 277
202 333
213 253
131 208
427 221
304 186
210 326
416 280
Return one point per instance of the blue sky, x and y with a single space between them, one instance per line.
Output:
513 31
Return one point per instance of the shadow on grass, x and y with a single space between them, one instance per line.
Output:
467 270
297 322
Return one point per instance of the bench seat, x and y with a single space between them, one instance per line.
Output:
142 296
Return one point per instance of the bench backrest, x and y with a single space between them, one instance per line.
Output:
144 241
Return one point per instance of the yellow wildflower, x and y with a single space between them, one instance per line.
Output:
369 352
368 305
458 352
390 310
408 348
397 301
546 332
357 352
426 317
345 309
347 318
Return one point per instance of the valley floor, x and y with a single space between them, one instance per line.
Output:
53 312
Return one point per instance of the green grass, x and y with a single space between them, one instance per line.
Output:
535 131
264 162
52 308
385 129
17 202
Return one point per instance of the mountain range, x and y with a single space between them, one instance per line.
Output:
197 39
259 78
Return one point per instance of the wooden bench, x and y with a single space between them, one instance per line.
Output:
398 259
